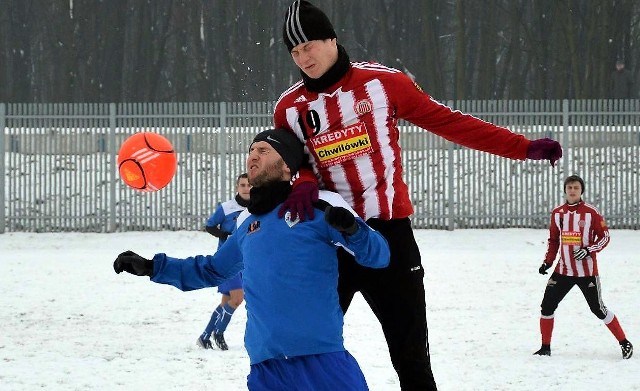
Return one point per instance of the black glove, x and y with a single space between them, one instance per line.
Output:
341 219
543 268
580 254
217 232
133 263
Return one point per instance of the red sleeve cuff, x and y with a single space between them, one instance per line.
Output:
305 175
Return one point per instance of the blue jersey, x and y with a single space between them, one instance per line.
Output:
290 278
225 217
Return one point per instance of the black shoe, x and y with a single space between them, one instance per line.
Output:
545 350
204 342
627 349
218 338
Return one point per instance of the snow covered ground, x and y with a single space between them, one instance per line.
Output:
70 323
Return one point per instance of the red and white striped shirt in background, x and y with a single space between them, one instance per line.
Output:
573 227
351 135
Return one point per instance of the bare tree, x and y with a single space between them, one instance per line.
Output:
180 50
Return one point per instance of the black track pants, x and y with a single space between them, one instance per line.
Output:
396 296
558 286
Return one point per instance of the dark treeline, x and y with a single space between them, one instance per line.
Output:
232 50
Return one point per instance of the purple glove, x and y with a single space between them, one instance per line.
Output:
300 201
544 148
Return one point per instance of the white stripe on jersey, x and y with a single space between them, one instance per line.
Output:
336 173
585 242
586 229
582 219
566 257
339 178
364 167
556 219
576 228
368 66
571 221
289 91
338 110
346 103
378 95
292 119
593 207
601 243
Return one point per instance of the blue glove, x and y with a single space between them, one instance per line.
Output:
544 149
300 201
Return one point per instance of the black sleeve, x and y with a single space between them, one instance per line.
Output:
217 232
321 204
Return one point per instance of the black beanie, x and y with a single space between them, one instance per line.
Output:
305 22
286 144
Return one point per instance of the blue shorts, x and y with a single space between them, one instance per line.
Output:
231 284
317 372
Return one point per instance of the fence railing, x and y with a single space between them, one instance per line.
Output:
58 170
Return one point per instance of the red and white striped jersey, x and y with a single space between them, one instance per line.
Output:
573 227
351 135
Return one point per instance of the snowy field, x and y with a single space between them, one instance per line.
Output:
70 323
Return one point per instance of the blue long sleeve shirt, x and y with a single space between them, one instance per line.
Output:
290 278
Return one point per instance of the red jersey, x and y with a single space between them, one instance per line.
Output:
573 227
351 135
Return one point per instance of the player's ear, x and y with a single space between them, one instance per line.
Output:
286 173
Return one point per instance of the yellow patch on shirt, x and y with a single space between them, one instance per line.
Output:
340 145
571 238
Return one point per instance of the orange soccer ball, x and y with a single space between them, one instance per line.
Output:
147 161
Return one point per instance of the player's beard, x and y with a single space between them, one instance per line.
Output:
271 173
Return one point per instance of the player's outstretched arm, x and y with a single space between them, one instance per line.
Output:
544 149
133 263
369 247
341 219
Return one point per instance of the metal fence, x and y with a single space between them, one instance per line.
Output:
58 170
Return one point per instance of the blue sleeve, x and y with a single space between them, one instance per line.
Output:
368 246
200 271
216 218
